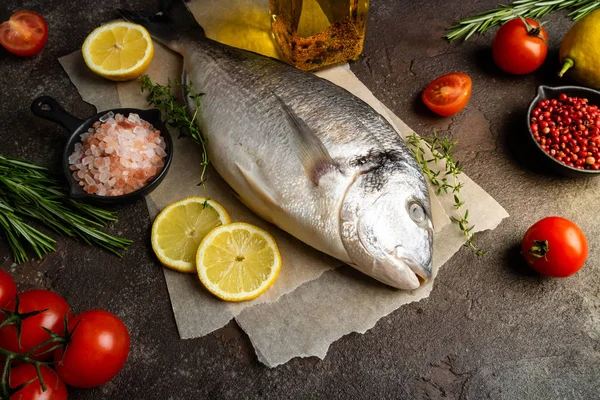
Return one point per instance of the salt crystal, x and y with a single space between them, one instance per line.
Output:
87 160
138 130
107 116
134 118
136 157
108 150
160 152
127 134
89 179
104 177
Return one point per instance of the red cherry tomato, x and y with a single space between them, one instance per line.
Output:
555 247
55 388
8 288
24 34
448 94
520 49
32 333
96 351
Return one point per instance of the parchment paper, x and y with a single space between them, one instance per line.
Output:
311 304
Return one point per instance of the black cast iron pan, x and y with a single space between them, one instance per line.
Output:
48 108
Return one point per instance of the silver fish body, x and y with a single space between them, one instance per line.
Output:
307 155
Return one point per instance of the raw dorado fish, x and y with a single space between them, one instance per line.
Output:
305 154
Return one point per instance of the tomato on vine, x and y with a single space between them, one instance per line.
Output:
520 46
555 247
8 288
52 316
21 374
97 348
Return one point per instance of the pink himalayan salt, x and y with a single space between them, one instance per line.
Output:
117 155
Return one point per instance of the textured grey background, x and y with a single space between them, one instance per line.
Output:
490 329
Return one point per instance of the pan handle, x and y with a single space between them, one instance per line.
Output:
48 108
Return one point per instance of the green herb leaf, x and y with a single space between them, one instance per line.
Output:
27 192
441 148
176 116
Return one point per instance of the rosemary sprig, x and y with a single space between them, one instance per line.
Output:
27 192
162 98
438 150
536 9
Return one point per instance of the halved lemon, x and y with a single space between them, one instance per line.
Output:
179 229
238 261
119 51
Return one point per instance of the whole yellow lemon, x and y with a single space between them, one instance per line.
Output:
580 51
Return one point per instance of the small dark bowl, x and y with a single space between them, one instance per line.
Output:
546 92
48 108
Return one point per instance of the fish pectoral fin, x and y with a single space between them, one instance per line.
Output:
260 189
311 152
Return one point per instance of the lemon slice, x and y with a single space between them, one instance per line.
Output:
119 51
238 261
178 230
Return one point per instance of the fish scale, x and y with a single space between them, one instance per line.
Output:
305 154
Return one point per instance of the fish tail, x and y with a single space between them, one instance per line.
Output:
172 22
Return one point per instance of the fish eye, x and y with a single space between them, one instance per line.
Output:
416 212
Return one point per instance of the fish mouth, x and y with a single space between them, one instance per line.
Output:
422 271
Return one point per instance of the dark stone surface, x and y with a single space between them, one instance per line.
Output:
490 329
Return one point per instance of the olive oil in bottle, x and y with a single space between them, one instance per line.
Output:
311 34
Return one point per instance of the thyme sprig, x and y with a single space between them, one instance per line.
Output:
438 150
536 9
162 98
28 192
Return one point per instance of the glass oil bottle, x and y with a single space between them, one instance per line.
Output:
312 34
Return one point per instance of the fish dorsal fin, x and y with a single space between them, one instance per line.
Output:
311 152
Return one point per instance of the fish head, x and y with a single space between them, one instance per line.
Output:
386 226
